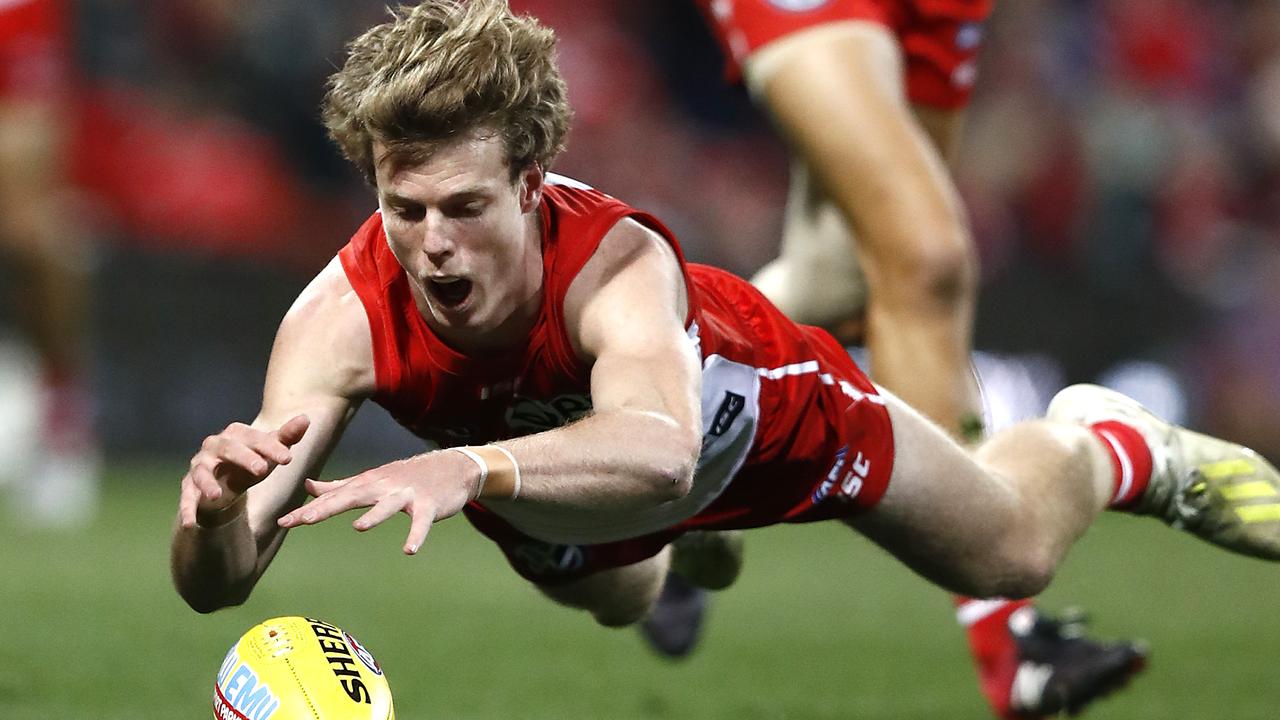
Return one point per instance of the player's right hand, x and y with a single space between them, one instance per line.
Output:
231 462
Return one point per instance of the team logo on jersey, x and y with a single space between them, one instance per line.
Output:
798 5
456 432
729 410
527 415
853 480
845 482
833 474
541 559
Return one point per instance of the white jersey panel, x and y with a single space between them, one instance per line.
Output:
565 180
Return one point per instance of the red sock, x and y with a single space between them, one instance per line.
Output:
1130 457
994 651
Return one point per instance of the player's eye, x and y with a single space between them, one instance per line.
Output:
409 213
471 209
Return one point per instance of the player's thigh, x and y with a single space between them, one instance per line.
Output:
943 514
837 94
617 596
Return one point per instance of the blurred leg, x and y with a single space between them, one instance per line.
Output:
816 278
837 94
43 246
617 597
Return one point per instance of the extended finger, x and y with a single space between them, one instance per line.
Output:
383 509
316 488
204 481
293 430
323 508
237 453
422 517
269 447
187 502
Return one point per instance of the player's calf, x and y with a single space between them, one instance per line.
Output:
617 597
710 560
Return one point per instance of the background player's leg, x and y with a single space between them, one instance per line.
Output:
837 94
44 248
816 278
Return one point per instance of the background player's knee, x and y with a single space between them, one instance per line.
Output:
933 272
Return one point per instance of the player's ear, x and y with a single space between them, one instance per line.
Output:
530 183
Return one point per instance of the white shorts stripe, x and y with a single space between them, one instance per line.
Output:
804 368
811 366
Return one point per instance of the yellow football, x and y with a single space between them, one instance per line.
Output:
296 668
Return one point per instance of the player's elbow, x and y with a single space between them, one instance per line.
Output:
674 475
204 601
676 481
205 595
672 456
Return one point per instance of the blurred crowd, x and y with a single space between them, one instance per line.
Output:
1121 164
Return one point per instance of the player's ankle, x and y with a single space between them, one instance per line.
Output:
1131 458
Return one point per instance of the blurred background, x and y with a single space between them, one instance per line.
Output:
1121 168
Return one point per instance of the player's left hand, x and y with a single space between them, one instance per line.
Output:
427 488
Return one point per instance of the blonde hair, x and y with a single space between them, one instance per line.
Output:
441 69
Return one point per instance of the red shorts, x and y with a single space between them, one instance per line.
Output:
838 467
940 38
35 52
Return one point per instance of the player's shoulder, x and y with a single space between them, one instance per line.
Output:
625 240
329 296
327 321
634 267
626 243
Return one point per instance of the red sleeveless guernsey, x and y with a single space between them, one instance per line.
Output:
792 429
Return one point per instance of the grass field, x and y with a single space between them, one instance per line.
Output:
821 625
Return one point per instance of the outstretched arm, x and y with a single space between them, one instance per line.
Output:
243 478
638 448
626 310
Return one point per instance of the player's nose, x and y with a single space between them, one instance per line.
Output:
436 243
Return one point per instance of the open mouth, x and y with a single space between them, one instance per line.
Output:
451 293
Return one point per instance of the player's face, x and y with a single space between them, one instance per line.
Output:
468 237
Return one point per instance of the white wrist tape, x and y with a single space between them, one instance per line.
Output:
515 468
499 471
484 467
